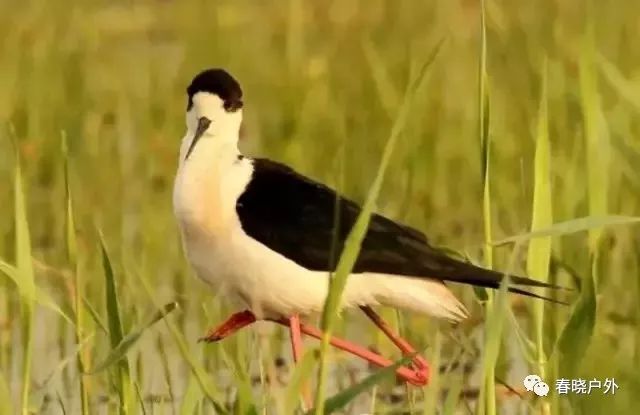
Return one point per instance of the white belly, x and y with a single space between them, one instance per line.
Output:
268 283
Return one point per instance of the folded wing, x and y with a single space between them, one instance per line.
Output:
307 222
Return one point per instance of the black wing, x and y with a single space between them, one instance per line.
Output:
302 220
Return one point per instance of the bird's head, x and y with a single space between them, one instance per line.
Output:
214 107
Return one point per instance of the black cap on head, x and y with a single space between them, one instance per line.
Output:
218 82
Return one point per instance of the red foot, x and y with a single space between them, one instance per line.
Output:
233 324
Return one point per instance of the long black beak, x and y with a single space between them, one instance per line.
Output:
203 124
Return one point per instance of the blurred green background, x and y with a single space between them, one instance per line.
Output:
323 81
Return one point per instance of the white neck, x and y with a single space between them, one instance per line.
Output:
209 147
205 175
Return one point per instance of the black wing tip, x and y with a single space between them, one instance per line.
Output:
526 293
492 279
530 282
516 280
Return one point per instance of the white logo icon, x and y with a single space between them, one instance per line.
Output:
534 383
541 389
530 381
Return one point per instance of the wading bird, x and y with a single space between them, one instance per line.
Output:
269 236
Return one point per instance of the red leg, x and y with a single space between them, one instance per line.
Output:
296 346
417 377
233 324
296 337
401 343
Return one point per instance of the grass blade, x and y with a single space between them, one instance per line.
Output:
78 292
629 91
114 322
487 398
301 372
569 227
598 146
539 253
128 341
493 339
575 337
41 297
386 90
26 283
95 316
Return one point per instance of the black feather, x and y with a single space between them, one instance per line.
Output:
296 217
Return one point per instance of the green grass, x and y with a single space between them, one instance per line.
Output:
539 254
519 150
26 286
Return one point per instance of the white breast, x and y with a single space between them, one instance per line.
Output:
206 189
